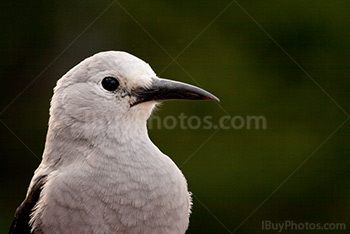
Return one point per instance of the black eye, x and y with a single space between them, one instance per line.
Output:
110 83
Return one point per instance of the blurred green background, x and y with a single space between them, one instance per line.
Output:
231 172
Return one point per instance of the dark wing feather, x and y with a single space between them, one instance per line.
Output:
22 216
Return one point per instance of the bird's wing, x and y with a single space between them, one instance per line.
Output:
22 216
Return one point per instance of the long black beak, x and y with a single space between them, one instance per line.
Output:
163 89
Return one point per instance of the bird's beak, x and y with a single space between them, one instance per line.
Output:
163 89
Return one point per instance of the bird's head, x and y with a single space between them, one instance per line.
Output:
113 89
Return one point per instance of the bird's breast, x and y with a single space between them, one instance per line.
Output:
115 195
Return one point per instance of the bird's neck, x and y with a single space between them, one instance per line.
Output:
67 143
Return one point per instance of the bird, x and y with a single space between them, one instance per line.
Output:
100 172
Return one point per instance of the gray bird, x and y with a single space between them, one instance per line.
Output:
100 172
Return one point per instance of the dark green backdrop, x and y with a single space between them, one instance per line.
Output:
285 60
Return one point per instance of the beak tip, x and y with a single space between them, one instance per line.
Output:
216 99
212 98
